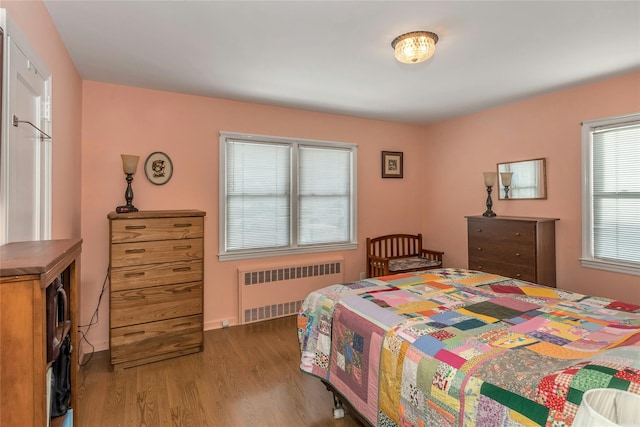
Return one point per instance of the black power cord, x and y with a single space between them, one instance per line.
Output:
93 321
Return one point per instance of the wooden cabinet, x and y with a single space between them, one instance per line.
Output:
28 270
156 293
519 247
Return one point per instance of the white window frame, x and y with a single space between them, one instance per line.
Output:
225 255
588 260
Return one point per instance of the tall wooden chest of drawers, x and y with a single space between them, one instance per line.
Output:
518 247
156 292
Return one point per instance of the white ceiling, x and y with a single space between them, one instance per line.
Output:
335 56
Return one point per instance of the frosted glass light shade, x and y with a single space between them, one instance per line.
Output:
490 178
129 163
414 47
606 407
506 178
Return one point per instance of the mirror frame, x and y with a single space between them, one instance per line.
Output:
543 182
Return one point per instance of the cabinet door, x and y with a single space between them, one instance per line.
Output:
23 352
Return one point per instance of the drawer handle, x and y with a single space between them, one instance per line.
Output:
518 275
479 249
182 324
129 334
179 269
135 297
181 291
517 254
479 230
182 247
479 267
182 225
517 234
134 251
141 273
135 227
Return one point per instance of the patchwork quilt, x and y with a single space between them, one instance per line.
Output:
453 347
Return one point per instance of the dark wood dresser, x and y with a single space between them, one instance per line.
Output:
519 247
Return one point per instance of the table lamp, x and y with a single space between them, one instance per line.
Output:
489 182
129 166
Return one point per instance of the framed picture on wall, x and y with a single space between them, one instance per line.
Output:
392 164
158 168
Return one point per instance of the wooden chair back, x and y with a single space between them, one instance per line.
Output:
395 246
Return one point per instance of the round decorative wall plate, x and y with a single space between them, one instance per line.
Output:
158 168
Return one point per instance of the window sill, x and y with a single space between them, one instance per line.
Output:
288 251
616 267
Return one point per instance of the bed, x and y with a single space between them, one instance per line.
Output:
455 347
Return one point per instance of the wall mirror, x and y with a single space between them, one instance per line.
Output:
526 179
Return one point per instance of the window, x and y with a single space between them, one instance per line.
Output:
611 194
283 196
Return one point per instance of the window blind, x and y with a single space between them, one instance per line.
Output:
258 183
324 195
616 193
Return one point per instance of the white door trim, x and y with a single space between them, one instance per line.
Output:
14 41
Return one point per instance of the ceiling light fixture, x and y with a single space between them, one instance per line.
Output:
414 47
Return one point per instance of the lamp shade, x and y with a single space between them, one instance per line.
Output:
607 407
129 163
490 178
414 47
506 178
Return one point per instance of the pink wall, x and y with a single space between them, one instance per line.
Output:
459 150
93 123
126 120
35 23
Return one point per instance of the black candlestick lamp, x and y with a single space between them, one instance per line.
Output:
489 182
129 166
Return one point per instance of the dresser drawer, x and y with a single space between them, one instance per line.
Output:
145 276
512 251
502 229
127 254
522 272
148 340
148 229
157 303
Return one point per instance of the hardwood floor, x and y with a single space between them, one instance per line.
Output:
246 376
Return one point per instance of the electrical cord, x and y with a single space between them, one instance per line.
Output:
93 321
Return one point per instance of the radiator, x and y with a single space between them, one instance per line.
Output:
271 291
